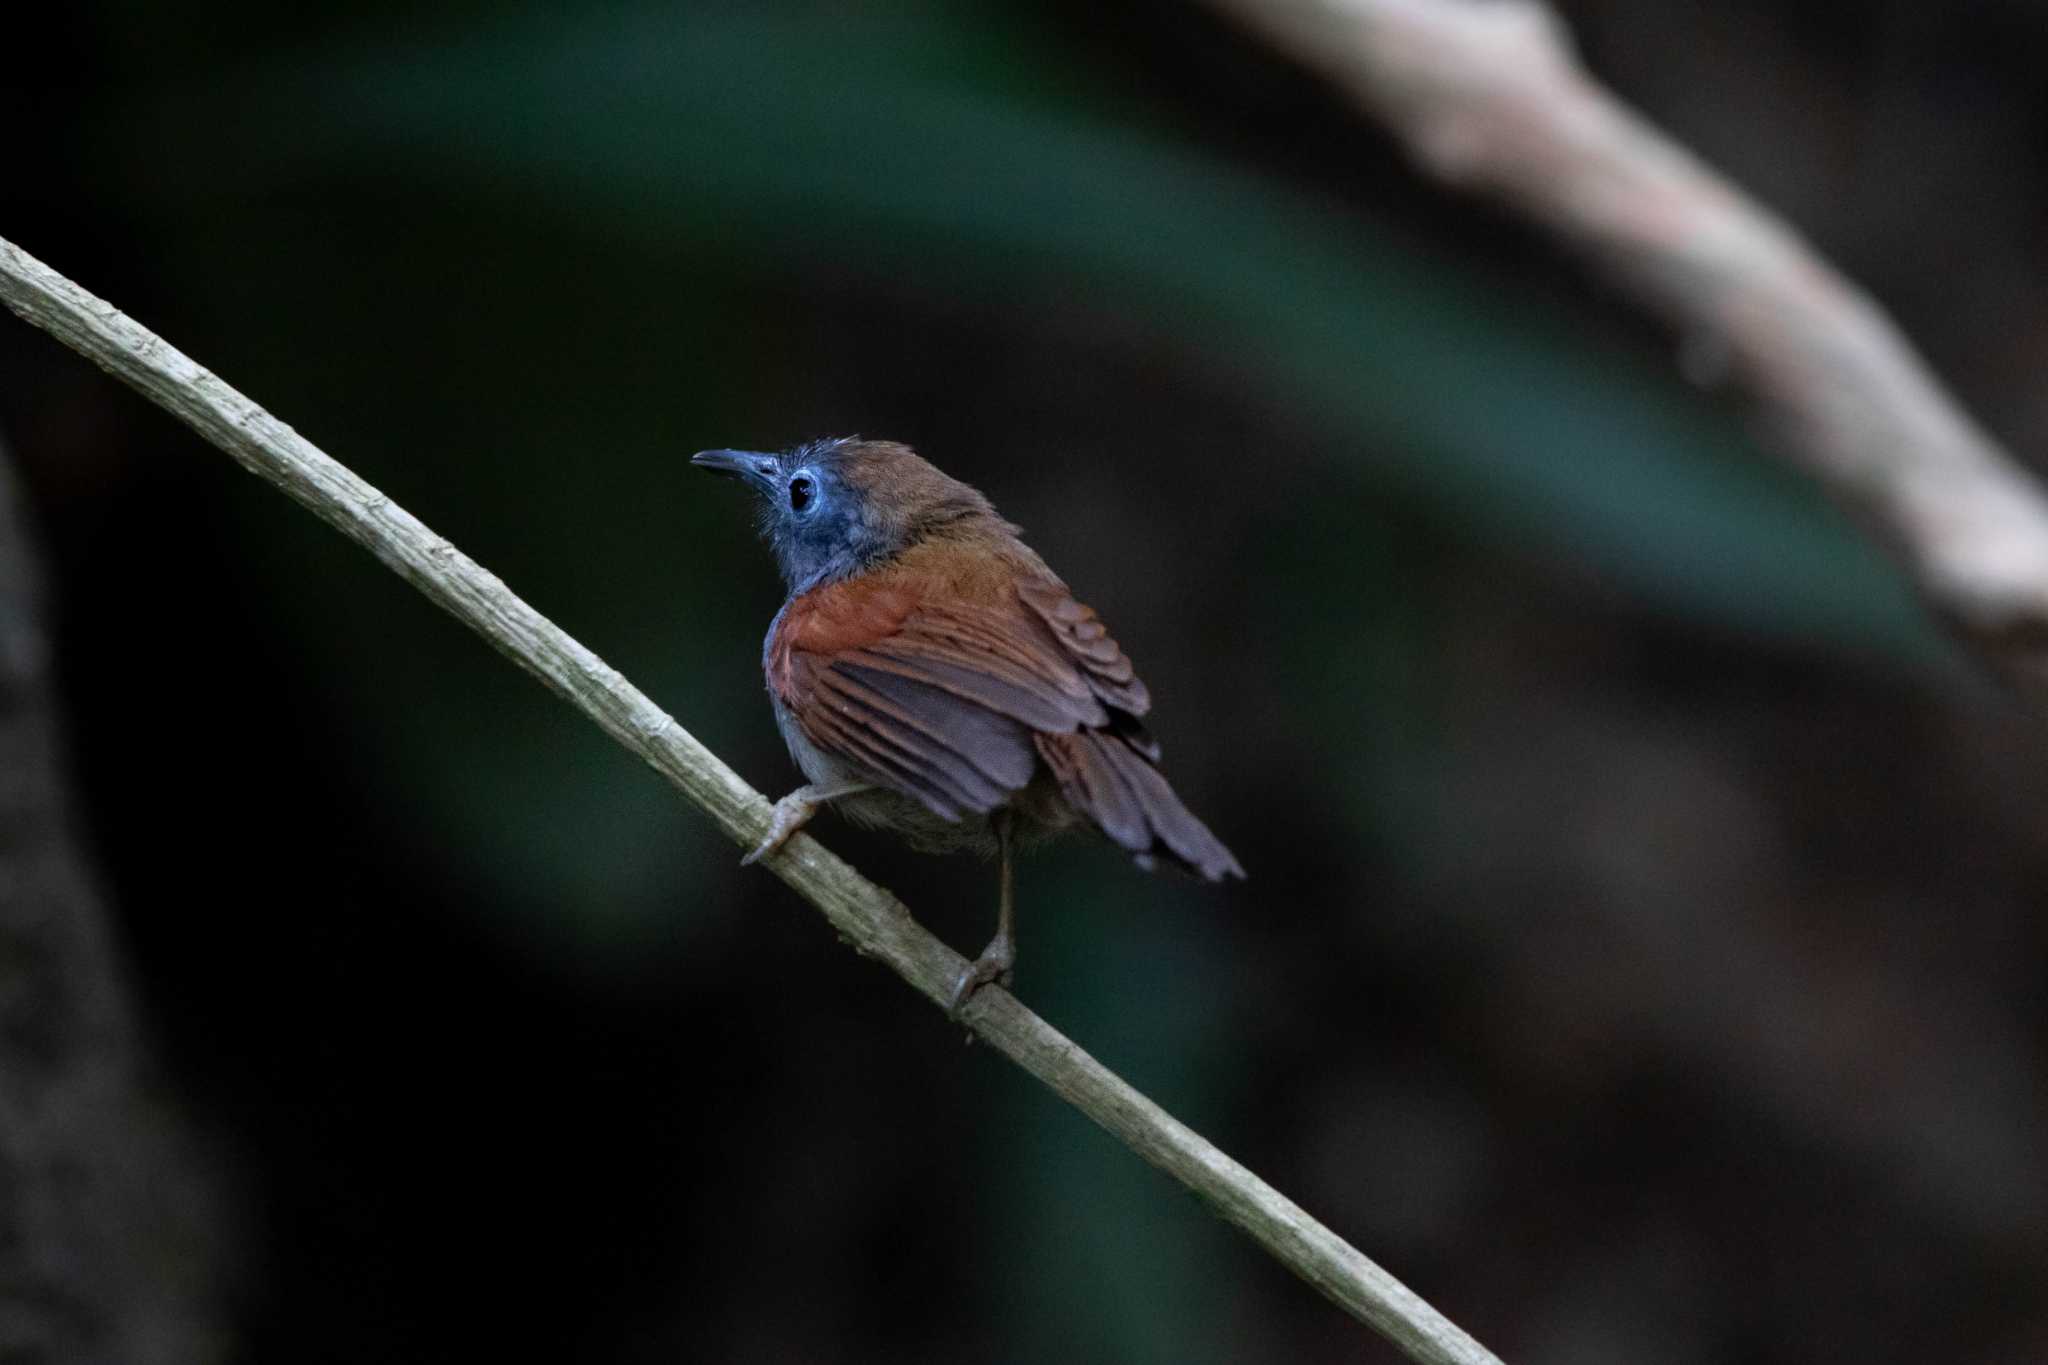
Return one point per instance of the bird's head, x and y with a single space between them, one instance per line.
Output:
833 508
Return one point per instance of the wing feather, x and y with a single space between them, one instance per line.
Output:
997 747
958 704
1087 640
897 767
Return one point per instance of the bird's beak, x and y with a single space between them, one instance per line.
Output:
748 466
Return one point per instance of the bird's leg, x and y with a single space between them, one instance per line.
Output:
795 810
998 961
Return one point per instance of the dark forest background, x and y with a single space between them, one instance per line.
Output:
1644 946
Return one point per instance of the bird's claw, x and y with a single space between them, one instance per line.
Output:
791 814
996 966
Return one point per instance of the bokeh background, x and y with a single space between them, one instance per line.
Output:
1643 952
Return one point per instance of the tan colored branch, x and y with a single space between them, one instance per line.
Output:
874 922
1486 95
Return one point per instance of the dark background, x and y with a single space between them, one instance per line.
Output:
1643 949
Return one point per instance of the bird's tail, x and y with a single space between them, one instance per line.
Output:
1117 787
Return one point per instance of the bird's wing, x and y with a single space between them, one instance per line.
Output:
1087 642
956 704
1110 773
940 700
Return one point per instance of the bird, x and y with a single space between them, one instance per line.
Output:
932 676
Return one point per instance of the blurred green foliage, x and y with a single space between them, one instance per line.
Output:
663 166
946 149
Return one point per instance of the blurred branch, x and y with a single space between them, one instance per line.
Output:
1487 96
110 1248
874 922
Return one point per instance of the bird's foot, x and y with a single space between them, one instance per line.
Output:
996 966
792 813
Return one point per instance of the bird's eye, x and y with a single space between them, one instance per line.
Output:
800 491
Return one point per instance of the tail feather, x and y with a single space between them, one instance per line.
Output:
1116 786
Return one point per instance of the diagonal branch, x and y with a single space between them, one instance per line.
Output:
873 921
1487 96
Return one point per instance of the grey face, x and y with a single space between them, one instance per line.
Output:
812 518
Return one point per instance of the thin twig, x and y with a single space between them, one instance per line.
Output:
869 918
1486 95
